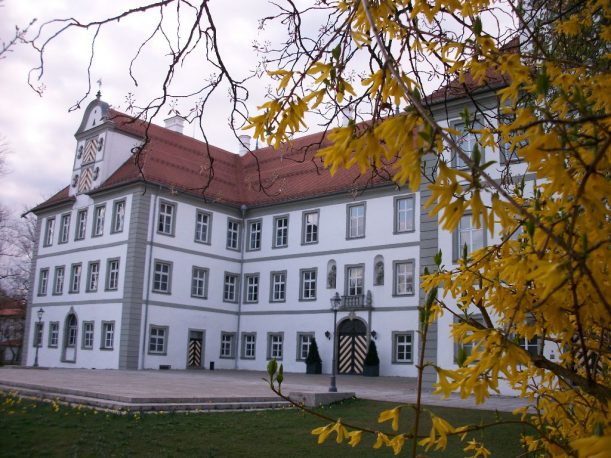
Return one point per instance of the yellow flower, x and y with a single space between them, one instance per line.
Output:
355 438
392 414
397 443
382 439
323 432
593 447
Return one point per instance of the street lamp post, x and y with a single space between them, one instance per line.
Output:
335 304
38 335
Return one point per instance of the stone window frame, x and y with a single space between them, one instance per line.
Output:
90 265
349 220
84 345
109 273
107 327
164 337
231 231
284 230
58 288
170 265
395 346
456 249
232 345
53 331
244 344
206 273
43 281
49 231
270 345
39 329
396 201
271 286
236 287
115 213
302 282
250 239
256 285
300 335
347 269
97 219
208 224
305 235
395 283
64 228
80 229
71 287
170 231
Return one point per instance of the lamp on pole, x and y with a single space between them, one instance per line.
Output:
38 335
335 304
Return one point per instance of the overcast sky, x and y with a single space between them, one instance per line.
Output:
39 131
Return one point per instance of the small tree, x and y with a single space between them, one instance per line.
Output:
313 355
372 355
313 361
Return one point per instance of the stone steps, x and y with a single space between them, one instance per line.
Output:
121 403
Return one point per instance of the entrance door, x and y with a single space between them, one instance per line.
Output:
195 349
352 346
70 333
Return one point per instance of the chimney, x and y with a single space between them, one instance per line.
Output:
244 144
175 123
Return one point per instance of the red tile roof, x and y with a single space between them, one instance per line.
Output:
262 177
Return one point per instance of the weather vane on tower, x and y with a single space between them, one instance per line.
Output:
99 94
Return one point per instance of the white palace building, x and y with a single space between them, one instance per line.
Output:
135 269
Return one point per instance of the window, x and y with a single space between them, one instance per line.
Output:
356 221
230 287
402 347
355 276
403 278
202 226
53 334
467 140
43 282
278 287
308 285
98 220
404 214
304 340
464 349
88 335
254 235
49 230
530 345
118 216
81 224
58 284
38 330
162 277
72 328
233 234
274 345
165 221
281 232
75 278
467 235
249 345
93 276
227 345
251 292
310 227
509 150
64 228
112 274
108 335
157 340
199 282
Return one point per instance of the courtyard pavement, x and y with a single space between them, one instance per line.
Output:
157 386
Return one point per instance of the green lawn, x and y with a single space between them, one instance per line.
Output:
41 429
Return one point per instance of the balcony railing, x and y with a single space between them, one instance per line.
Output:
356 302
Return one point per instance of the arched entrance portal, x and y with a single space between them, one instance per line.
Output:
352 346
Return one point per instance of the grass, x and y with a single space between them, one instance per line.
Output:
36 428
